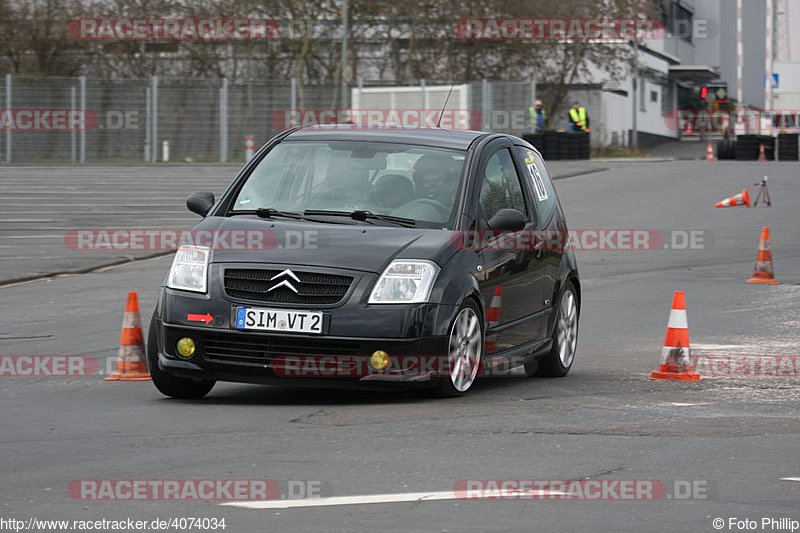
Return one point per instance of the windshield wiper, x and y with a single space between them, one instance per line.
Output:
268 212
364 216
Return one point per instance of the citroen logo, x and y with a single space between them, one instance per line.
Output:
285 283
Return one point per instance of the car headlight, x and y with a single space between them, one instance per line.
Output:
405 282
189 269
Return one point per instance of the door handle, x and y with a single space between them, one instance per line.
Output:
538 247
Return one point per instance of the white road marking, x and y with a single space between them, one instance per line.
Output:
369 498
790 479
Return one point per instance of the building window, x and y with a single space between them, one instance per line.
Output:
654 97
677 19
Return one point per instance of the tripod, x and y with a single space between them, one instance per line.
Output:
763 190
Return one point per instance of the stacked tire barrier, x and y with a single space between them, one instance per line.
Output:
552 146
575 145
560 145
788 147
726 149
747 147
537 140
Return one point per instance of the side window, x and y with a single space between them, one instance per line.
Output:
500 187
544 194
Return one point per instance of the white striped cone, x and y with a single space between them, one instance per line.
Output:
710 153
743 198
675 355
131 354
762 157
493 317
676 345
249 148
131 360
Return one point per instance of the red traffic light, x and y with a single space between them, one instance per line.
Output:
703 92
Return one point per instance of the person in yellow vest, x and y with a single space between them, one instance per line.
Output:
578 119
537 116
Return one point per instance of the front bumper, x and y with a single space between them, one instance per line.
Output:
352 331
251 357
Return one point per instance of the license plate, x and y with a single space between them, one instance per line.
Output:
278 320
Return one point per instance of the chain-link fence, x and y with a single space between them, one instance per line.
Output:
206 120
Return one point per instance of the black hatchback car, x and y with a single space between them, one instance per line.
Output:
373 256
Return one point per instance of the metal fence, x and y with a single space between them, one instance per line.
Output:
191 119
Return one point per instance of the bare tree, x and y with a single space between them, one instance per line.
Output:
389 40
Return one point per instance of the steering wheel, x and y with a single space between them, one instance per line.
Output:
408 207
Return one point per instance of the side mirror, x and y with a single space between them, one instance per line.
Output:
200 202
508 220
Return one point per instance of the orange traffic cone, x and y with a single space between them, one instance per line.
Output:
493 317
763 272
675 357
131 363
762 157
743 198
710 152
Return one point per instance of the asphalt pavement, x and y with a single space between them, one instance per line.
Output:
736 438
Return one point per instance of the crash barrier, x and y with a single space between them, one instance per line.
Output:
747 147
560 145
787 147
784 147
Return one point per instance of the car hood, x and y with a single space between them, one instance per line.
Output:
248 239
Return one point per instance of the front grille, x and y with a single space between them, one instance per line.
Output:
260 349
314 288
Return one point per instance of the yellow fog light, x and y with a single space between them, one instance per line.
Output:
379 360
185 347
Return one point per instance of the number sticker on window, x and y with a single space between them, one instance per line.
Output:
538 182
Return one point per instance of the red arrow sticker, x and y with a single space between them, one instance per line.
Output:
206 318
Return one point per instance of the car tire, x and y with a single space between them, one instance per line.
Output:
168 384
465 347
558 362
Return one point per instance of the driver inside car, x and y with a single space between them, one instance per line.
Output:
436 178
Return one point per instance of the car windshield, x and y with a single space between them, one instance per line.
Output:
414 182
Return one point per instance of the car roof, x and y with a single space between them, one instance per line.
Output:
434 137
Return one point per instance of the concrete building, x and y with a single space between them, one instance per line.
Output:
699 47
